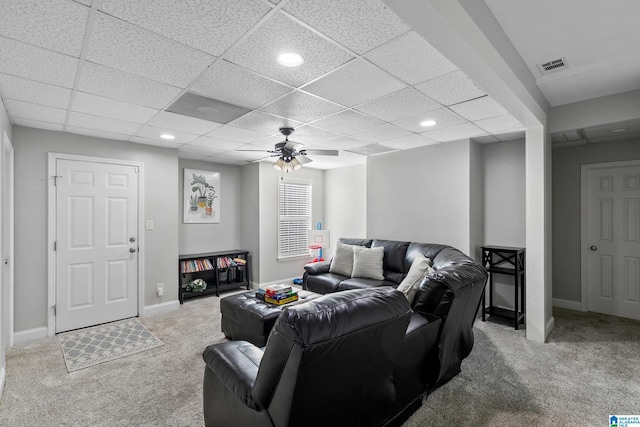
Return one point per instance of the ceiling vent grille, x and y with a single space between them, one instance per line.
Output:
553 66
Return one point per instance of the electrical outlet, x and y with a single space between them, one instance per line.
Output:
160 289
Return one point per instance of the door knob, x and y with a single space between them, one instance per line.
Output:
594 248
132 250
132 239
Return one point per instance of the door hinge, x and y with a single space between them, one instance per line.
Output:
55 179
55 246
55 311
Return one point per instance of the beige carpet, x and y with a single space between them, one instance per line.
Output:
589 370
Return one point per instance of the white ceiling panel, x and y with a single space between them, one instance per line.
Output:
302 107
510 136
34 63
97 133
36 124
409 142
34 92
478 109
411 59
500 124
58 25
442 116
451 88
357 82
339 143
347 121
156 142
239 155
110 83
263 122
236 85
203 148
101 106
279 35
172 121
153 133
232 133
128 48
29 111
454 133
370 24
372 149
380 133
311 135
105 124
192 156
487 139
403 103
202 24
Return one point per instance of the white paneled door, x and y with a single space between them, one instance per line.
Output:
614 241
96 243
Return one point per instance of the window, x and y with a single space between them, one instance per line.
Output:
294 218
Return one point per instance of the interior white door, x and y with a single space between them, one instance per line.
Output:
614 241
96 243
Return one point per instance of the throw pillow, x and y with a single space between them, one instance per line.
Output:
419 268
367 263
342 260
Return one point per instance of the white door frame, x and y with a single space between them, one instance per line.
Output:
8 242
51 265
584 224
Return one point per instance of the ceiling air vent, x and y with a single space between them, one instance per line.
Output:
553 66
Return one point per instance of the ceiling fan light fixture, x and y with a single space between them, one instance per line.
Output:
279 164
290 59
295 164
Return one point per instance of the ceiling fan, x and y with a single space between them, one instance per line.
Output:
289 157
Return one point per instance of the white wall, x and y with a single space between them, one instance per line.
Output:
226 235
161 193
5 129
345 203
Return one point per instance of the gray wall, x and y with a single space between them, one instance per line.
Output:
161 192
345 203
5 128
198 238
250 227
566 208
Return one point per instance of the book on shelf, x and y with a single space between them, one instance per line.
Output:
195 265
240 261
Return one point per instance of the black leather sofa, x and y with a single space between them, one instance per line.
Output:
343 359
452 294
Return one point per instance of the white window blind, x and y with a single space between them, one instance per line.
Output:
294 218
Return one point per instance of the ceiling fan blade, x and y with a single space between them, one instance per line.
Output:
302 159
319 152
260 151
290 145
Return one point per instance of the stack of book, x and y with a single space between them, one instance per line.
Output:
277 294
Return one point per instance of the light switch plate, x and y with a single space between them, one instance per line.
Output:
149 225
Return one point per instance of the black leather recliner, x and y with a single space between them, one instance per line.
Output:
328 362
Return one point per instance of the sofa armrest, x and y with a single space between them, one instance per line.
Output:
314 268
236 365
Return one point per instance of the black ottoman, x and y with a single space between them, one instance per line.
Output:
245 317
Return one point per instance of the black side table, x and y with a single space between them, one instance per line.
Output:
510 261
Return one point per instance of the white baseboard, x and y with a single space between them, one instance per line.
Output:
161 308
30 335
549 327
568 304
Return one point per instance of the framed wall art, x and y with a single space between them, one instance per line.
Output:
201 196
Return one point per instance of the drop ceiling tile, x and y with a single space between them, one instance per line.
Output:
101 106
263 122
451 88
311 135
29 111
128 48
111 83
355 83
347 121
156 142
232 133
339 143
281 34
34 63
409 142
487 139
499 124
54 24
349 158
97 133
153 133
511 136
442 116
214 144
84 2
302 107
172 121
224 160
478 109
402 103
454 133
202 24
105 124
380 133
369 150
411 58
192 156
245 157
36 124
199 150
371 23
34 92
236 85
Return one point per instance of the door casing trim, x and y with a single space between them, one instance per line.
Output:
51 229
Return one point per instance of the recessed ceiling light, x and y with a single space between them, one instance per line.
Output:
167 136
290 59
428 123
619 130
